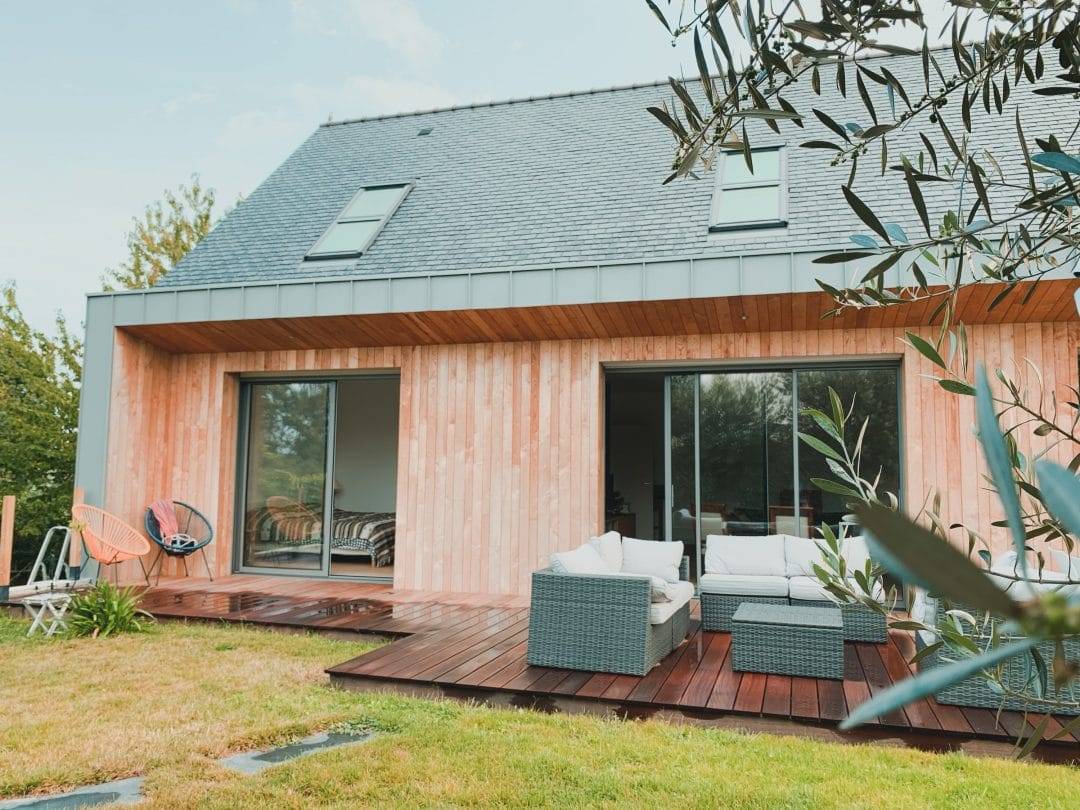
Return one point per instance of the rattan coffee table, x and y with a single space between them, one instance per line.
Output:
788 640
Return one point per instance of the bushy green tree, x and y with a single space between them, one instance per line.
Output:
168 229
39 408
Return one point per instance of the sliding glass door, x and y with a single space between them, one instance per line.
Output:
285 480
732 463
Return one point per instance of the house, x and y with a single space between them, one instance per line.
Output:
432 348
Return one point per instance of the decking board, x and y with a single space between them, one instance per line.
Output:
470 646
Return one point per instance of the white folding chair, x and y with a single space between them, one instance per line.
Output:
47 611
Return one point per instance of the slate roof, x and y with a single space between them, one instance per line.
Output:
566 180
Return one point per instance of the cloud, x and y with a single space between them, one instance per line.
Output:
175 105
360 96
302 107
396 24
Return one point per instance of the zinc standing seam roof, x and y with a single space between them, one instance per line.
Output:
566 180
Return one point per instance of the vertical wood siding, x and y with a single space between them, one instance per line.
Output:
500 453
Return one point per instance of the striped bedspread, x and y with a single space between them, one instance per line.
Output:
365 533
355 533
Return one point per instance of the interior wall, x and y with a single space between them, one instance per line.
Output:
500 458
365 452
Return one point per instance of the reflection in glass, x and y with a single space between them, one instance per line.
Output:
747 455
683 466
286 475
634 455
868 392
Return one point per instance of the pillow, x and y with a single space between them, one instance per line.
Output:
609 547
582 560
661 590
745 556
856 553
800 555
651 557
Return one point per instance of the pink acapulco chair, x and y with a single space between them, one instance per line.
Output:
108 539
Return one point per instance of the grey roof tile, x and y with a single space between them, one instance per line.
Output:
567 180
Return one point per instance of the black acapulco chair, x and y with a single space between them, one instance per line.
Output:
194 534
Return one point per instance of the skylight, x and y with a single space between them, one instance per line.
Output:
744 200
357 226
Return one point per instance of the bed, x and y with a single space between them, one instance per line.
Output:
278 530
359 534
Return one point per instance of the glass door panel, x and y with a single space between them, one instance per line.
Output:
747 455
868 393
682 407
285 480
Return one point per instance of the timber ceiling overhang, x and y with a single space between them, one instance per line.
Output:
756 292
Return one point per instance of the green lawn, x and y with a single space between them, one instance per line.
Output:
167 703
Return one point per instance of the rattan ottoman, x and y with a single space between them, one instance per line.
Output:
787 640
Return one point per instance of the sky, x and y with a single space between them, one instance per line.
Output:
108 104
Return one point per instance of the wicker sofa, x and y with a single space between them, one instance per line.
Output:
778 569
1018 673
605 621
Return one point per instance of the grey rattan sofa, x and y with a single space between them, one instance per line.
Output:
1018 673
777 570
600 623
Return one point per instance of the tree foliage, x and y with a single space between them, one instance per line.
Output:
1011 226
39 408
751 57
168 229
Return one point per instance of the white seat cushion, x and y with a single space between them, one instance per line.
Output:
582 560
609 547
807 588
744 585
680 592
810 588
652 558
745 555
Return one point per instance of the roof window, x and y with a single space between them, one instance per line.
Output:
359 223
744 200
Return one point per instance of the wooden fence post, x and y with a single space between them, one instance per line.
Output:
75 543
7 543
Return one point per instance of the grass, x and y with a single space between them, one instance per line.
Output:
169 702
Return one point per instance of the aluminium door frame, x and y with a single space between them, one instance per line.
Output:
243 444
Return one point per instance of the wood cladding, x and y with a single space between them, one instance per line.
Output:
500 447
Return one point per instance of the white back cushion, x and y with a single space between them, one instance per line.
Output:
609 546
801 553
1070 566
652 558
745 556
856 553
582 560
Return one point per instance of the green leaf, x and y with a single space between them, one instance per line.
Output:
820 446
1058 161
997 459
916 197
1035 738
843 256
863 212
835 488
659 14
957 387
931 681
1061 493
820 145
925 348
938 565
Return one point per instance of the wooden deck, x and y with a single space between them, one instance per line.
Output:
473 647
